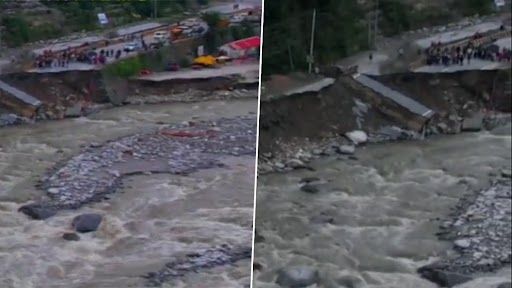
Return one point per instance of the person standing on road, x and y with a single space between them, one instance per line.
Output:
400 52
370 56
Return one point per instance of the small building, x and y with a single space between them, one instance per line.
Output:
241 48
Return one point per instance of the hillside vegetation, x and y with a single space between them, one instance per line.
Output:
342 26
27 21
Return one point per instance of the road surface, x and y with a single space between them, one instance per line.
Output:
83 66
228 70
459 34
476 64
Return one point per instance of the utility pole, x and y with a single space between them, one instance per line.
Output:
1 54
373 24
155 8
292 67
310 60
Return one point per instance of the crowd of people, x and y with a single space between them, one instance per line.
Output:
51 59
436 54
457 55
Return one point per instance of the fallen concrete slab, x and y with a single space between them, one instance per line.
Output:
20 95
473 123
397 97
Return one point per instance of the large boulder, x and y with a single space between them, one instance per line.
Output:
357 136
473 123
346 149
297 276
295 164
37 211
87 222
309 188
437 274
74 111
70 236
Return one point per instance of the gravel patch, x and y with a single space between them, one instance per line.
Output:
176 149
480 230
198 261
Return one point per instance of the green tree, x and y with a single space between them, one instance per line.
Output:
215 33
17 30
395 17
472 7
339 32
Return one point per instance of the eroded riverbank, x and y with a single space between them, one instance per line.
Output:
150 221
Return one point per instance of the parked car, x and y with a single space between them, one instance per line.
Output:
172 67
160 36
133 46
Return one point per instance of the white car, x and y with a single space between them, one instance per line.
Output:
133 46
160 36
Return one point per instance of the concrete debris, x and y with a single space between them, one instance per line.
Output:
357 136
473 123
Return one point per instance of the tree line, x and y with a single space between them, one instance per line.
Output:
342 27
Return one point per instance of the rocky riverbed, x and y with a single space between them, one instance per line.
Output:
176 149
481 233
296 153
201 260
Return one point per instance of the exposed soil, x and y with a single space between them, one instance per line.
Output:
80 91
333 111
442 91
315 116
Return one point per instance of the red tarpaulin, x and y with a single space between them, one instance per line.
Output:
245 44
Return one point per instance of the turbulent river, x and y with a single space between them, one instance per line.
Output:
373 221
152 219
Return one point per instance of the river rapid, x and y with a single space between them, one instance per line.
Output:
373 221
149 221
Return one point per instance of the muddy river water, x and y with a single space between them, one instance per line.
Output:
146 223
373 221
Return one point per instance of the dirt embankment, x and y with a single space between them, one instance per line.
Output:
315 115
71 93
346 106
444 92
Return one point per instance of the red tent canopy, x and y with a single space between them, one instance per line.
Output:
247 43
